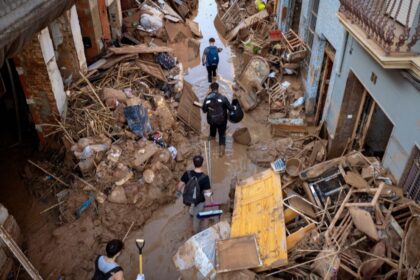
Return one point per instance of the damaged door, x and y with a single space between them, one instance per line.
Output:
327 67
259 210
372 130
362 124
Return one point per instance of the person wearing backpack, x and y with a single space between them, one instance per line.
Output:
216 107
196 187
211 59
105 266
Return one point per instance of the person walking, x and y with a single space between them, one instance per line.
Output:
216 107
105 266
194 187
211 59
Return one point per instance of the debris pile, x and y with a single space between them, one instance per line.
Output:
165 24
339 219
129 133
9 232
268 55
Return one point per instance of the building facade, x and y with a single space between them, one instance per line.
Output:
362 80
44 47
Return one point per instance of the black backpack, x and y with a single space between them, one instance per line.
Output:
99 275
216 111
191 192
236 115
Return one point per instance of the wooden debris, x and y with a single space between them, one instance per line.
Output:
49 173
140 49
187 113
237 254
152 69
363 222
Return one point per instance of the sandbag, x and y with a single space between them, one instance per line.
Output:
237 114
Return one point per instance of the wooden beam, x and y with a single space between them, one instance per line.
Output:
20 256
103 16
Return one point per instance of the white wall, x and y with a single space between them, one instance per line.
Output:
52 68
395 95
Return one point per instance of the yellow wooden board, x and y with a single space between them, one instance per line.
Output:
258 210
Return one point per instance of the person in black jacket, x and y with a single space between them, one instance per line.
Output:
216 106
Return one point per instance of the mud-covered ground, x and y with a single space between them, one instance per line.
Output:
159 218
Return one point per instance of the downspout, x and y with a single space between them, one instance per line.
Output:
343 52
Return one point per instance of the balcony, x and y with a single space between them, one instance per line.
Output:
387 29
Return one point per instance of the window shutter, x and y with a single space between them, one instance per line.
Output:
402 15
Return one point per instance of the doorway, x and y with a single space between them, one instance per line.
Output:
362 124
295 15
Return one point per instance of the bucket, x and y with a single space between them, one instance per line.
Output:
293 167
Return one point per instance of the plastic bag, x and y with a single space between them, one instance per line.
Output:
237 114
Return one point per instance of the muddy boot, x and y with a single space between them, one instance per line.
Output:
210 139
221 150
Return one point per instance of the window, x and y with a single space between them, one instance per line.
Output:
313 16
411 177
401 11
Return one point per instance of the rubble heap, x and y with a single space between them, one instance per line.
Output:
125 148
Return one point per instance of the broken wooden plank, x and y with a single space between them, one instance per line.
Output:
237 275
194 27
152 69
237 253
139 49
246 23
115 60
187 112
20 256
259 210
295 237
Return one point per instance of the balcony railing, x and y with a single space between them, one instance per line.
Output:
387 22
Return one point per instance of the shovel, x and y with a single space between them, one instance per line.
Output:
140 244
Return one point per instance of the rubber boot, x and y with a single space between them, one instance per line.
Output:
221 150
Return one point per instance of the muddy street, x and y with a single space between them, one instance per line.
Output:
101 114
171 226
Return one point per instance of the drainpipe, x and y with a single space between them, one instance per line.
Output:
343 52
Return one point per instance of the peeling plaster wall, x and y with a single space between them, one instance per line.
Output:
91 28
77 38
115 18
68 46
396 96
41 81
52 68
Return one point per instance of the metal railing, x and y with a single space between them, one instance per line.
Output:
380 20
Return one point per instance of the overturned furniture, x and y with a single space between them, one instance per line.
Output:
251 82
231 18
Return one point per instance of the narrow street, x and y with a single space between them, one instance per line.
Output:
101 115
170 226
